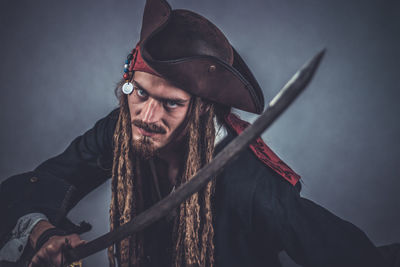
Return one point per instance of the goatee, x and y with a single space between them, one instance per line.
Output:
144 147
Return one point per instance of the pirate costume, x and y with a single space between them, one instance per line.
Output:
257 204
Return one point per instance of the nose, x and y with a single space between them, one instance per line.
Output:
151 111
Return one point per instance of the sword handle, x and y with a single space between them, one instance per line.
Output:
67 255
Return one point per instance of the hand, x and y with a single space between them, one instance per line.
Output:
50 254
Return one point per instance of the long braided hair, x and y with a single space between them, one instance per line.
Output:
193 232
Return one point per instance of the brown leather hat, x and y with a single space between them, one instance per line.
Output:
192 53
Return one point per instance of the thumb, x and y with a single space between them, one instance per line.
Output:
78 243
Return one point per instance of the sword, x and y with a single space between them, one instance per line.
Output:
275 108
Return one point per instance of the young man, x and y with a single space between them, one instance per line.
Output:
181 78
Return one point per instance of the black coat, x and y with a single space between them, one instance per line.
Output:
258 213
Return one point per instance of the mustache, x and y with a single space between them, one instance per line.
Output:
149 127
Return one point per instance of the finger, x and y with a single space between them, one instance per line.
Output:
34 261
37 261
46 255
52 251
58 260
79 243
74 238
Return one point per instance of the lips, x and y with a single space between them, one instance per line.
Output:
145 133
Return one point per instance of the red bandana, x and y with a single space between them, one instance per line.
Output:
263 152
138 64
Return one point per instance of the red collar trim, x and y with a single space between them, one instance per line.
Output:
263 152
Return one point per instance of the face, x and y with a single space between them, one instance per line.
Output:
157 109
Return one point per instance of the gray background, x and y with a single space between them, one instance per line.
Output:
59 62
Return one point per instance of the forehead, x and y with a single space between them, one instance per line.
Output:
159 87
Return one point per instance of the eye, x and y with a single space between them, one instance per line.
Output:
141 92
171 104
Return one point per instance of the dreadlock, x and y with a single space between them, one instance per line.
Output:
124 189
192 231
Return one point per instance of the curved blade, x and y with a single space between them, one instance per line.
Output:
275 108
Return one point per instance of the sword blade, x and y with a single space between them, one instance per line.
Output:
278 104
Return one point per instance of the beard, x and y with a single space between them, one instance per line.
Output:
144 147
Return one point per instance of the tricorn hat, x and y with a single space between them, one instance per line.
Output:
192 53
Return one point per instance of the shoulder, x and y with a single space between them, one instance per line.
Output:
113 115
109 122
247 170
245 180
100 136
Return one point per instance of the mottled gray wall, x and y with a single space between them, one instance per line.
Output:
59 62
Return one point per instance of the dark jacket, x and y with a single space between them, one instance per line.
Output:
258 213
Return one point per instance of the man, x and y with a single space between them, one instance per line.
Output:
181 77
